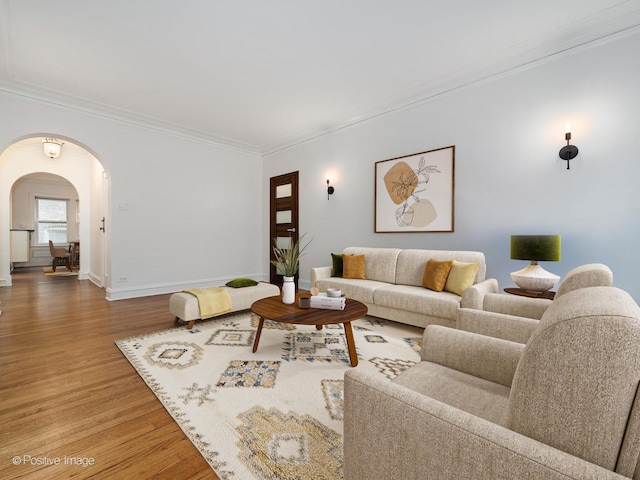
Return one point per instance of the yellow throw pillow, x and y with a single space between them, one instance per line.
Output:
353 266
435 274
461 276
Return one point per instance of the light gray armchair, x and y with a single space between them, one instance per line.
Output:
563 406
514 318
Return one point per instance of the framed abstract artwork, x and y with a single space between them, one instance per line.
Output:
415 193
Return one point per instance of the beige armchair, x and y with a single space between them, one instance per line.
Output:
563 406
514 318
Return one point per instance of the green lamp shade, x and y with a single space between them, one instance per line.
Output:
535 247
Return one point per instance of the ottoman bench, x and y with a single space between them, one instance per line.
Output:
185 306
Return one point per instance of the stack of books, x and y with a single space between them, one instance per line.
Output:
321 300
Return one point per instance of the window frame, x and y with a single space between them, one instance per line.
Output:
38 222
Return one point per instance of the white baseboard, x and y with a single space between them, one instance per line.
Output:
123 293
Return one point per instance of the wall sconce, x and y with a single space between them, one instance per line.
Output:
330 190
52 147
570 151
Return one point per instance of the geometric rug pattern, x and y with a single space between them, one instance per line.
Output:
273 414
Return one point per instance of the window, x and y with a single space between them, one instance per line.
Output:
52 220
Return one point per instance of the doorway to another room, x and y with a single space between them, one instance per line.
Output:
74 179
283 214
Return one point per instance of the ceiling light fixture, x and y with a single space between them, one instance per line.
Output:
52 147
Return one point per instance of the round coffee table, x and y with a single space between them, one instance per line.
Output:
272 308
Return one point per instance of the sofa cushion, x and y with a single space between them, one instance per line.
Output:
380 263
417 299
241 283
353 267
361 290
474 395
461 276
336 264
435 274
411 264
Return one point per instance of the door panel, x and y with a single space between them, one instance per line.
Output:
283 209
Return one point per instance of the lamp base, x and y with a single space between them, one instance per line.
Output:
534 278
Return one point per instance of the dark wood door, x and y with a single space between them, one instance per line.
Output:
283 216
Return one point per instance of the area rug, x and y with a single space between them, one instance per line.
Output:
273 414
61 271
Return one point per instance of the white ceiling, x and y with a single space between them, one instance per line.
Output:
259 75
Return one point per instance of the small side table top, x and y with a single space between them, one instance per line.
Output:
526 293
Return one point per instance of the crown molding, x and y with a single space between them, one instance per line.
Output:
602 32
50 97
620 20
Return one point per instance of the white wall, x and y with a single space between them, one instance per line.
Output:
186 213
183 213
509 178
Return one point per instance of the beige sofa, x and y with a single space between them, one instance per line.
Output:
393 285
564 406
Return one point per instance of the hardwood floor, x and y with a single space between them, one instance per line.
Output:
66 390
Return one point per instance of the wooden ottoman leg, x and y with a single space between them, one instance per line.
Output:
191 324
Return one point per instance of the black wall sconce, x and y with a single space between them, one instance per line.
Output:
330 190
568 152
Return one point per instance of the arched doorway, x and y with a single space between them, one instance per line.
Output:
43 207
85 173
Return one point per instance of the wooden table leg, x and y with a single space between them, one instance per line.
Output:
351 344
318 327
258 332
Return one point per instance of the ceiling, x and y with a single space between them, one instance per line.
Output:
258 75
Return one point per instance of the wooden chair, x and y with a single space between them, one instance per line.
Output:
74 251
59 253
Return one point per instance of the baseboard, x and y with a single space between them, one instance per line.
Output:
95 279
123 293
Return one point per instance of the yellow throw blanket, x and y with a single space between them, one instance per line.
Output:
212 301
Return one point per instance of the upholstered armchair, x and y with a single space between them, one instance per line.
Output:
563 406
514 318
59 253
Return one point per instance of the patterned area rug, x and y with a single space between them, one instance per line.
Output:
275 414
61 271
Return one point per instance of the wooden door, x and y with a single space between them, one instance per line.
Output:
283 216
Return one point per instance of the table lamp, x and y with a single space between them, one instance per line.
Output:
536 248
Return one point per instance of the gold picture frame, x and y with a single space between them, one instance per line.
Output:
415 193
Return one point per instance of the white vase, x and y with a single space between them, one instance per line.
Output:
288 290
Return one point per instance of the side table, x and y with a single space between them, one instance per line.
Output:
526 293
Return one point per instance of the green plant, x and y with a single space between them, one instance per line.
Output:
288 259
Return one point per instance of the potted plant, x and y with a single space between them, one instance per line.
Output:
287 263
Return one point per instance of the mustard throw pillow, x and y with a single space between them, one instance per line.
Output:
435 274
353 266
461 276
